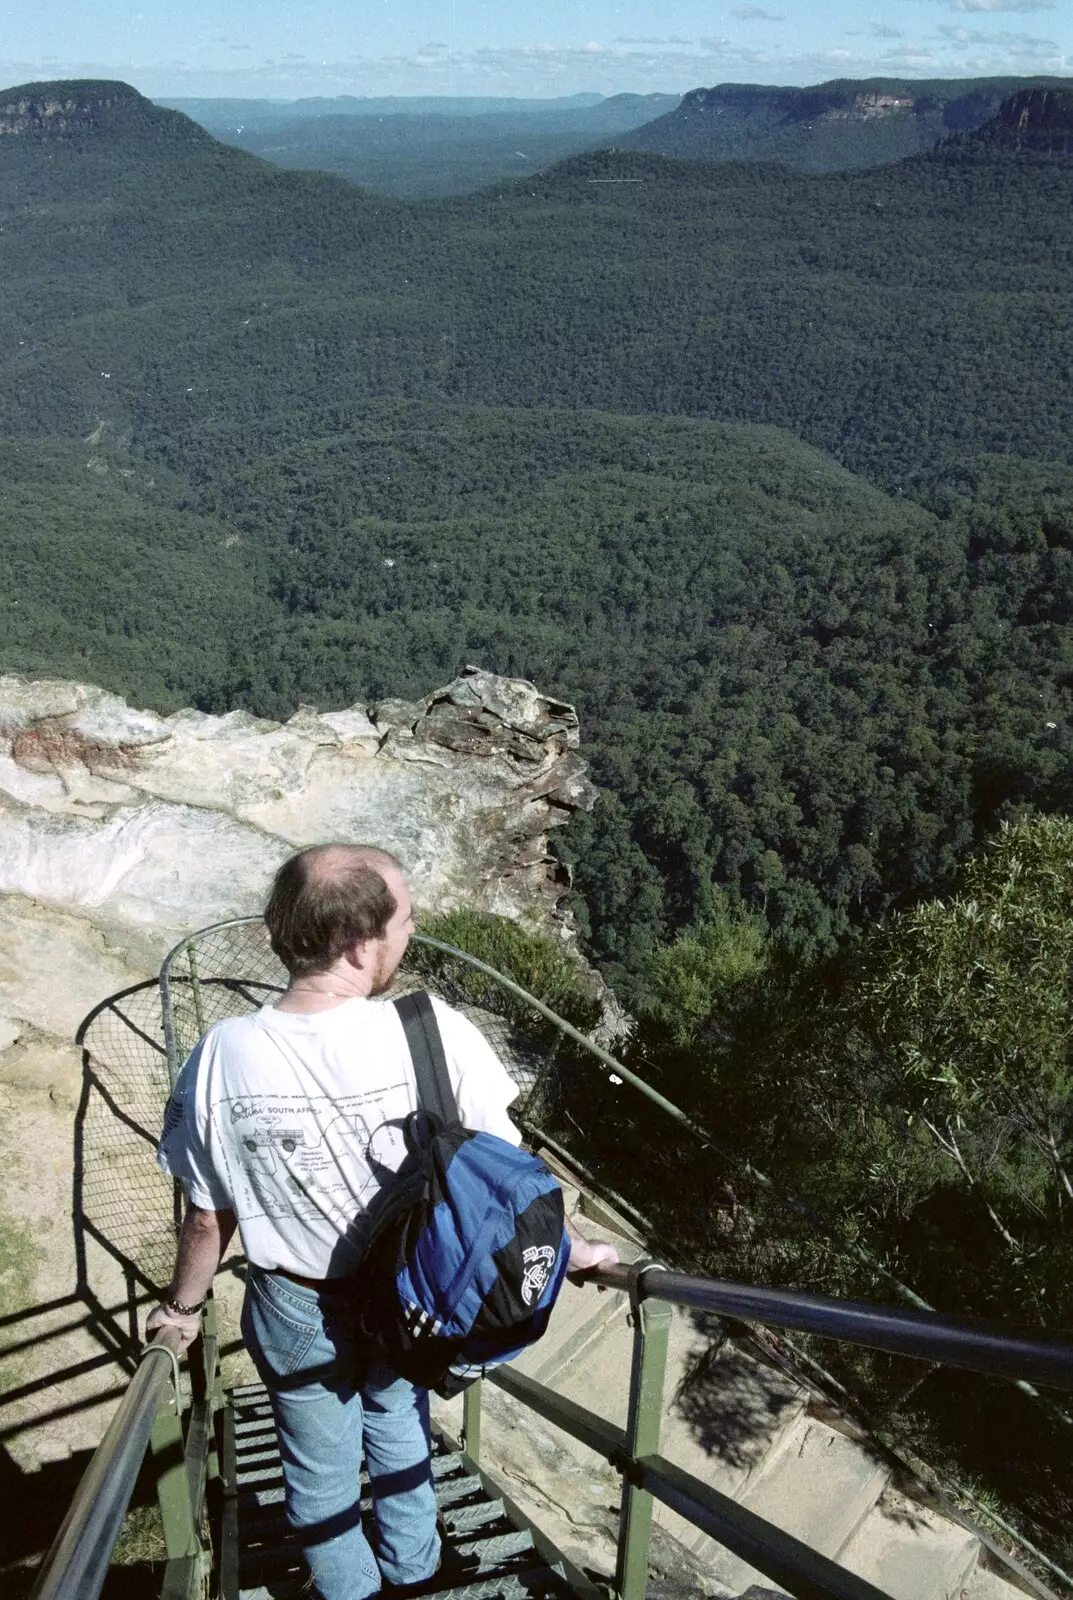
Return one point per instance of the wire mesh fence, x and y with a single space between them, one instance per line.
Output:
123 1203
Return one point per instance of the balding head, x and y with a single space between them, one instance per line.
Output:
326 899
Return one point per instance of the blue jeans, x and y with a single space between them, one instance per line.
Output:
325 1405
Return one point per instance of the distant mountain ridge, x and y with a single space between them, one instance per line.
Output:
353 105
767 296
827 127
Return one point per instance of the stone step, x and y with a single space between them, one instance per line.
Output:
577 1323
911 1552
818 1484
815 1483
987 1584
724 1411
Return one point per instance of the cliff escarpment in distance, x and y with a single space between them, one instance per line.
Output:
1035 122
827 127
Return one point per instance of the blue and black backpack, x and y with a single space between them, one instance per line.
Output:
469 1247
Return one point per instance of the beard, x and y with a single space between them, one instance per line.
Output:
383 974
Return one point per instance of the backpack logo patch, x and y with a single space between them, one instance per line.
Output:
539 1260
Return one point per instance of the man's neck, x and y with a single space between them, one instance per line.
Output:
322 991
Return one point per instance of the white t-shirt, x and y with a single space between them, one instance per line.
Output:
294 1122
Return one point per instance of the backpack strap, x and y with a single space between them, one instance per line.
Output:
434 1092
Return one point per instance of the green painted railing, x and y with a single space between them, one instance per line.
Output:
181 1443
647 1476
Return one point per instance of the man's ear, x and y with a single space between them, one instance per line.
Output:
359 955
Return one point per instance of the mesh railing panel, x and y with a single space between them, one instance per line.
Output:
122 1200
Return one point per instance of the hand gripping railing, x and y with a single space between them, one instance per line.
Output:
647 1476
149 1417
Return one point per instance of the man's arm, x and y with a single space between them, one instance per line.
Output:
204 1238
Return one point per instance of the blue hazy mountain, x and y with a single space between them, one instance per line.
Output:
424 147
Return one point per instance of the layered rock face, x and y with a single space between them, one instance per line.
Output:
150 826
121 831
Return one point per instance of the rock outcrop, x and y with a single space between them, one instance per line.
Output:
1036 122
80 109
149 826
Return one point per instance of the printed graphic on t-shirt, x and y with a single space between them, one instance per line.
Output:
307 1156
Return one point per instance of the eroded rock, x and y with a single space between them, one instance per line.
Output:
158 825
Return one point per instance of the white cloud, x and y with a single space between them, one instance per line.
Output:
1002 5
750 13
961 38
909 58
976 45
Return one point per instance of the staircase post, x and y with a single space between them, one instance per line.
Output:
471 1422
172 1482
651 1330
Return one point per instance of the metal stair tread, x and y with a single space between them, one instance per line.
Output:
486 1556
469 1519
533 1580
536 1579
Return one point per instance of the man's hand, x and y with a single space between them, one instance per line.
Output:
163 1317
586 1254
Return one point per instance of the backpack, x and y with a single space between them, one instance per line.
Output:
468 1249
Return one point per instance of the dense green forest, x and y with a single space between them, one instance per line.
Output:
792 685
384 439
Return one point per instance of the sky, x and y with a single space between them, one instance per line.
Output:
287 49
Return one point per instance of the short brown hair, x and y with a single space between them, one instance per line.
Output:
325 899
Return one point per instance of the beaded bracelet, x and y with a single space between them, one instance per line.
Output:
183 1311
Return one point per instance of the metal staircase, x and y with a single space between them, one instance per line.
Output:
487 1555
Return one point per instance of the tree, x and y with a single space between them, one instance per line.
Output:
972 1001
701 977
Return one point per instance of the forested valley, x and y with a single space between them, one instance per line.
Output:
769 473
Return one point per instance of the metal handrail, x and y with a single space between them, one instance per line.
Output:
977 1346
1015 1355
795 1566
78 1558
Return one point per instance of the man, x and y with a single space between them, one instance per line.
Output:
289 1122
